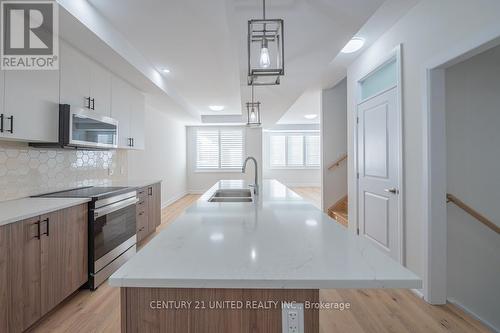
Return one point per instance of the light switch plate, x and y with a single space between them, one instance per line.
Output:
292 317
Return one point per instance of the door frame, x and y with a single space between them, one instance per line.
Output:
395 54
432 76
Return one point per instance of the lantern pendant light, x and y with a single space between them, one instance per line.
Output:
265 50
253 112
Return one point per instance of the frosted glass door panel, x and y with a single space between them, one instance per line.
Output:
379 81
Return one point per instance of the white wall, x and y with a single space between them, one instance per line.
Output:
334 142
429 29
165 154
199 182
290 177
473 158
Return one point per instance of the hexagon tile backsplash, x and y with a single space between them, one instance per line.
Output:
26 171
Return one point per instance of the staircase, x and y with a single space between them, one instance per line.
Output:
338 211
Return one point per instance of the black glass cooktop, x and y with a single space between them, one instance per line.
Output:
94 192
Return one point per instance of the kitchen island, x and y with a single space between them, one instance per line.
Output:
228 266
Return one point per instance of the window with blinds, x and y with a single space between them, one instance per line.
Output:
294 150
219 148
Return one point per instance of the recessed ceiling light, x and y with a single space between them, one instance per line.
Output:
216 107
165 70
311 116
353 45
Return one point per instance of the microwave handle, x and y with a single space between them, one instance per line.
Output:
114 207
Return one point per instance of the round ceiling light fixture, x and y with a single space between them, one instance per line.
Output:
355 44
216 107
311 116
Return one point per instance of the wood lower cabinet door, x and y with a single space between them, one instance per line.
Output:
64 266
25 274
154 215
4 279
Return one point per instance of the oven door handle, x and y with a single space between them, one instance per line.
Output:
114 207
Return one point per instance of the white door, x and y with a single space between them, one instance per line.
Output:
31 105
120 110
75 77
100 89
137 119
378 164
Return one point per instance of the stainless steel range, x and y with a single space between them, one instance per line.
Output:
112 228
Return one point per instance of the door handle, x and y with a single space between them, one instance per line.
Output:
47 230
1 123
93 103
11 130
392 190
38 229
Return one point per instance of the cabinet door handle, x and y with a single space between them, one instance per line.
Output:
48 223
150 190
133 142
1 123
93 103
11 130
38 229
88 102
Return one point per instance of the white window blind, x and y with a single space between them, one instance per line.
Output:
312 151
294 150
207 149
295 147
219 149
231 149
277 145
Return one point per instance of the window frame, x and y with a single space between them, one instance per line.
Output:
196 169
304 165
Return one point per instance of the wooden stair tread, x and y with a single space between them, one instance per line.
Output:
339 211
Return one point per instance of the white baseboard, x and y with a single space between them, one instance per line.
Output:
472 314
418 293
196 191
173 199
302 184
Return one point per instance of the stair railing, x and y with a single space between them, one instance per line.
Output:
337 162
474 213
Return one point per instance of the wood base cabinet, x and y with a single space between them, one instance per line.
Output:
148 210
43 260
213 310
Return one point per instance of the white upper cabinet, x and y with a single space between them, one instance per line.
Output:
120 110
29 100
84 83
31 105
2 85
100 89
127 106
75 77
137 120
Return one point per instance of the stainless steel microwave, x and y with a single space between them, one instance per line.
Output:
84 129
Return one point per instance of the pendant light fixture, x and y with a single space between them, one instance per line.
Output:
253 112
265 50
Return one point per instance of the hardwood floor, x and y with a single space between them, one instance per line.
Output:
311 194
373 310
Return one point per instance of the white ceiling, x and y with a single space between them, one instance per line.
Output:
385 16
203 43
308 103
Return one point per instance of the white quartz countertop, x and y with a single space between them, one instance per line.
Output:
280 241
16 210
135 183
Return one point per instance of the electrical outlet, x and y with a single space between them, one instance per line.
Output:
110 171
292 318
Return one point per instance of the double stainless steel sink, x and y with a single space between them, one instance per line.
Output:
232 195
